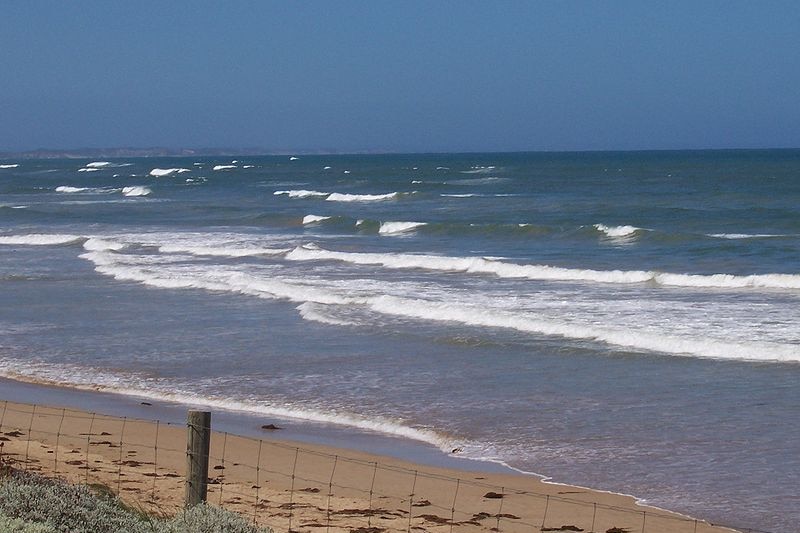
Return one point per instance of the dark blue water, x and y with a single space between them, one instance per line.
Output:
626 321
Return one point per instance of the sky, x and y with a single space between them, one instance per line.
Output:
400 76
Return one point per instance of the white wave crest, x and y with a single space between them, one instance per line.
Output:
39 239
68 189
317 313
14 165
397 228
313 219
224 167
98 164
136 190
220 251
88 169
95 244
617 231
160 172
483 265
341 197
301 193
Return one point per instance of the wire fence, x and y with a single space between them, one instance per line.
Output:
294 489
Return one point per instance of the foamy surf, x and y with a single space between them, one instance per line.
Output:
482 265
224 167
632 339
13 165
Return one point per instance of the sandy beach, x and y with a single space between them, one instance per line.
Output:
305 487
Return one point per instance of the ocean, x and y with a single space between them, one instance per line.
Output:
627 321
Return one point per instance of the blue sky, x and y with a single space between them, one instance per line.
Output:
400 76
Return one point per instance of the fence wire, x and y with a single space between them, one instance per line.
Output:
293 489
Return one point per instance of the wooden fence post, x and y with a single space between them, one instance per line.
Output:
198 445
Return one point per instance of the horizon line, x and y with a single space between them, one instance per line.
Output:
160 151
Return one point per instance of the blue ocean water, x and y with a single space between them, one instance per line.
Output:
625 321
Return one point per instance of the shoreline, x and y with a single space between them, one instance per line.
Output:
327 439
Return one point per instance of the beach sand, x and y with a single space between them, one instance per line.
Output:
293 486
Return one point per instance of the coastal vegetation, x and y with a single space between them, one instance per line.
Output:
31 503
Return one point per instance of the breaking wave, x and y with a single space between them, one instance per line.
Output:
39 239
617 231
483 265
313 219
339 197
161 172
398 228
300 193
136 190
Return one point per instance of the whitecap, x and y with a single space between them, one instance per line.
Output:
341 197
13 165
617 231
224 167
88 169
300 193
68 189
293 158
313 219
398 228
98 164
160 172
136 190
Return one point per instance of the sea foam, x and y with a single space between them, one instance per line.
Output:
14 165
224 167
628 338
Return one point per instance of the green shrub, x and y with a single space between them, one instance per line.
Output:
208 519
30 503
15 525
66 508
